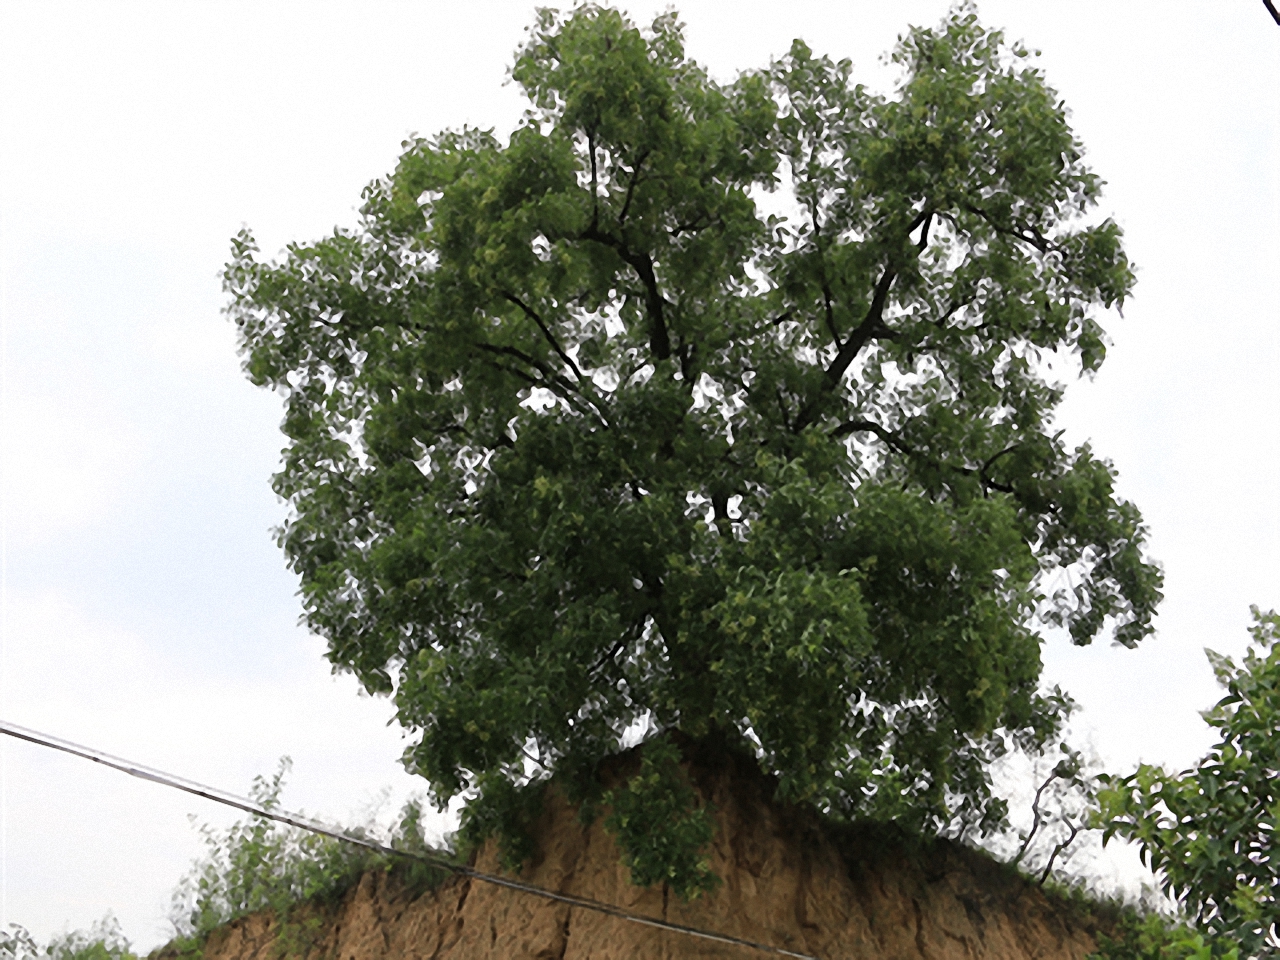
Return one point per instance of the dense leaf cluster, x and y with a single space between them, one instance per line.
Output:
658 810
581 437
1211 830
1155 937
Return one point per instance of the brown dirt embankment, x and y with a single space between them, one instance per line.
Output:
787 881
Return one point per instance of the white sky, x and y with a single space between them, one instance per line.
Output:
146 610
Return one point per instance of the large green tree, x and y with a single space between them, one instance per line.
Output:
581 436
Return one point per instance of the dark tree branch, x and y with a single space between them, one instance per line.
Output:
636 368
1271 8
1048 867
924 233
893 440
698 223
631 187
595 196
530 756
519 374
866 426
930 343
613 651
583 388
642 263
870 326
982 471
1030 236
782 408
720 511
830 312
452 428
547 375
546 331
685 352
1037 817
775 322
549 380
827 298
941 322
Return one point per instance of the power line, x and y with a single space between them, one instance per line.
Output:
314 826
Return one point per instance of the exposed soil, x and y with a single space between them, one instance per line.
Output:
787 881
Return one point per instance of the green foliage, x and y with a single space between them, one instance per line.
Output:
259 864
417 874
661 830
17 944
104 940
579 437
506 811
1210 831
1155 937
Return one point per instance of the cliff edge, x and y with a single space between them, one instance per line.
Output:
788 881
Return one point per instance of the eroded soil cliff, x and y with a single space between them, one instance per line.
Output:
787 882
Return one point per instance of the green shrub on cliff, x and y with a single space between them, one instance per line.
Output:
259 864
1154 936
104 940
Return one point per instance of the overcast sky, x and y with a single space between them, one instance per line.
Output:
146 609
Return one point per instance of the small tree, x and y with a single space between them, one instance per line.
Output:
104 940
580 437
1211 830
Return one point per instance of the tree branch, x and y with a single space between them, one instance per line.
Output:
1048 867
642 263
685 352
982 471
549 380
1036 818
613 652
583 387
826 284
595 196
782 408
1031 237
866 426
830 314
870 326
924 233
631 187
1271 8
873 322
893 440
546 332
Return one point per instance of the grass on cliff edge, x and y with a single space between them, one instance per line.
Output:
259 865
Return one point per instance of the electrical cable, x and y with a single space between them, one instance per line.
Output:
314 826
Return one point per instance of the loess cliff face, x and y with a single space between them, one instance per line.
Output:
786 882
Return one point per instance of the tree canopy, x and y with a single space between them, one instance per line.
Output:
582 436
